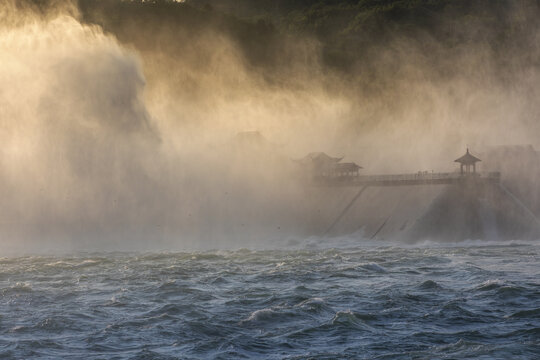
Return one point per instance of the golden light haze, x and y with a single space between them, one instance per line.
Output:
104 144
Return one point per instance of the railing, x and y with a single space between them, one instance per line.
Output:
412 179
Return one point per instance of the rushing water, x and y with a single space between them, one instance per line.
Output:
312 300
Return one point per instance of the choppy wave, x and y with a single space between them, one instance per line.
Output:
306 300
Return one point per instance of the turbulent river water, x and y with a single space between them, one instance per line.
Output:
316 299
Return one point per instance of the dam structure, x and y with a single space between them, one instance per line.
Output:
329 172
453 206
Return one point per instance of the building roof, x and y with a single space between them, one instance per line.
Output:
319 158
467 159
347 166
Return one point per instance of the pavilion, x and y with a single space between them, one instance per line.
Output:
320 165
346 169
466 162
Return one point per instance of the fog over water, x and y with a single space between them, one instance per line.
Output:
110 145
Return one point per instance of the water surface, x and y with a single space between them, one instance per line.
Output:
305 300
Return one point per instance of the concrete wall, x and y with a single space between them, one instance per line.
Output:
419 212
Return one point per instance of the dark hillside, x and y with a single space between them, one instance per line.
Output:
354 35
167 26
351 30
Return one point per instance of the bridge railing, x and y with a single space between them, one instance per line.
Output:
409 177
419 177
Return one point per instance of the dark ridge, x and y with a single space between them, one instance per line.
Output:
352 31
167 26
366 37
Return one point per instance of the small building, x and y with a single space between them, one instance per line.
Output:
320 165
346 169
466 162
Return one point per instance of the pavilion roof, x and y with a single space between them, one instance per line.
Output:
467 159
319 158
350 166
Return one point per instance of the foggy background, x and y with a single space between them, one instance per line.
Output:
120 121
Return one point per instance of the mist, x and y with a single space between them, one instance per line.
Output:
143 135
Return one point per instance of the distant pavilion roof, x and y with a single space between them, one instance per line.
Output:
467 159
350 166
319 158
